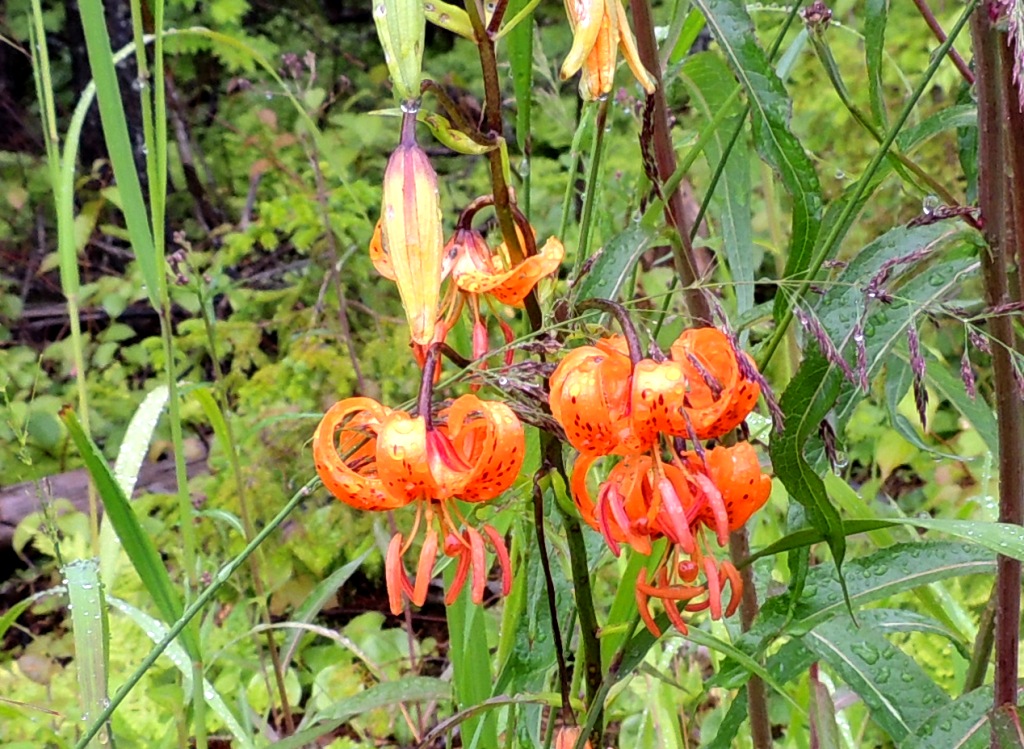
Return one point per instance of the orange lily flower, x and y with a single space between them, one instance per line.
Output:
600 28
474 454
644 499
477 270
606 405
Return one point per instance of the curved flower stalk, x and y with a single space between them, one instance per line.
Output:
375 458
600 28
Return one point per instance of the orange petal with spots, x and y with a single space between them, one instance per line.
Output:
736 472
590 400
402 458
344 452
513 285
489 439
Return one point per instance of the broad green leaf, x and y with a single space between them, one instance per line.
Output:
1007 727
156 631
11 614
615 264
471 665
386 694
892 570
692 27
899 693
876 15
898 380
959 116
709 83
963 724
137 545
769 108
805 403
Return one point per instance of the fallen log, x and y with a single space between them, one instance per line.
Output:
20 500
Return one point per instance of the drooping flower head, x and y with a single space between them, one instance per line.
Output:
612 402
600 28
375 458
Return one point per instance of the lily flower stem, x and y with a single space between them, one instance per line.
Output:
999 189
564 679
757 699
617 311
493 128
665 156
426 395
551 449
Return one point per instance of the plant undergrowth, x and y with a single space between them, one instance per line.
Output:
189 205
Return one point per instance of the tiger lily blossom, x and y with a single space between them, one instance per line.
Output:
645 499
375 458
606 404
600 28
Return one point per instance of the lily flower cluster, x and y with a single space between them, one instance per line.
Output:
376 458
639 412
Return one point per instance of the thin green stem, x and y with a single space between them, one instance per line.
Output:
590 198
575 155
66 250
194 608
837 227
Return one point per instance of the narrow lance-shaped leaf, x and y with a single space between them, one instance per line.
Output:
137 544
769 109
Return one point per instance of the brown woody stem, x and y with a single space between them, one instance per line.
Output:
998 189
665 156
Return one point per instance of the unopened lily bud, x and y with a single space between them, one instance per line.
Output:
412 235
401 26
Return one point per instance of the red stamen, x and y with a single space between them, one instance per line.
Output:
503 559
479 565
392 576
425 568
717 506
506 331
675 515
675 617
461 572
642 605
736 583
602 521
714 587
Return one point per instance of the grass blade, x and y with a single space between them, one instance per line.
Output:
137 544
89 627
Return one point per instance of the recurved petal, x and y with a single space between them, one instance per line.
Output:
590 399
719 398
344 449
513 285
488 438
659 395
585 18
402 458
628 45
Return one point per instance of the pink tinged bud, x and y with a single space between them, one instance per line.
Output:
412 236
